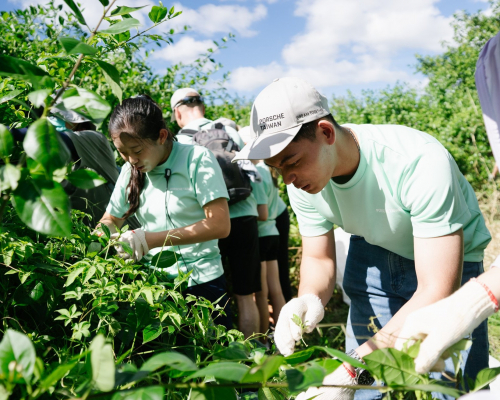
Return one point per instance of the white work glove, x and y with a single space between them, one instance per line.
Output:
444 323
309 309
136 239
338 377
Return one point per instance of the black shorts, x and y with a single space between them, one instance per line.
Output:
240 251
269 246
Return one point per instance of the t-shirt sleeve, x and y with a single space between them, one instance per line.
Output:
118 203
259 192
207 177
311 222
430 191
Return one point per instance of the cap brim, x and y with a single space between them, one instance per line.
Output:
267 146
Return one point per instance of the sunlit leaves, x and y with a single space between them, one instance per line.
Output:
6 142
17 357
78 14
157 13
86 179
122 10
11 66
103 364
112 77
121 26
74 46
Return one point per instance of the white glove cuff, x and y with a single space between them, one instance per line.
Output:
142 237
482 300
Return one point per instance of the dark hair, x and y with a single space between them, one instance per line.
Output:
308 130
140 118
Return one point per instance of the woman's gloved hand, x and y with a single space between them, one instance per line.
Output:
136 239
310 311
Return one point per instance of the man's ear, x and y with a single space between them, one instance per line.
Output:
328 131
177 114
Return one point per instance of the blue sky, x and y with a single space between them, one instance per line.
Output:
337 45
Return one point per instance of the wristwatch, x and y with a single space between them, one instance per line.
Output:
363 376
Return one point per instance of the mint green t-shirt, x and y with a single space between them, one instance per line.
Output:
281 206
407 185
196 179
243 208
267 193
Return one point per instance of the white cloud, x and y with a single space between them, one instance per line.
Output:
354 42
212 19
186 50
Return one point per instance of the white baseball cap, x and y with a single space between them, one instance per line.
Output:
178 95
278 113
247 135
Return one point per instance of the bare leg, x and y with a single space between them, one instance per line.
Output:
275 294
248 315
261 300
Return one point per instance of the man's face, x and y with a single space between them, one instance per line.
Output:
306 164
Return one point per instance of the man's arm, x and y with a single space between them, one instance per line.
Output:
317 269
438 264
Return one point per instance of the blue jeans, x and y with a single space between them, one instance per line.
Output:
379 282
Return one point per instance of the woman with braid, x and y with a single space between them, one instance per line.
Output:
177 193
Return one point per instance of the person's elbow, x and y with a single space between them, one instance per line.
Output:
223 228
263 212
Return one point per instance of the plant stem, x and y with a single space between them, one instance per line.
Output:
80 58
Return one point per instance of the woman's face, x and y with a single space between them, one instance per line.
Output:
144 155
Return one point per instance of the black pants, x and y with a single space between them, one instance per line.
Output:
283 225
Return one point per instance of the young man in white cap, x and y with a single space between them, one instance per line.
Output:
241 247
417 231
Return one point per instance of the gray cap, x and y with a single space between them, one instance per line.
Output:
278 113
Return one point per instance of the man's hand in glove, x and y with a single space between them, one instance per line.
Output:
444 323
341 376
309 309
136 239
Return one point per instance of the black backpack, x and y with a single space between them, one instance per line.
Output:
223 147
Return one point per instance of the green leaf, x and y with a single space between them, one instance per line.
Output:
17 351
122 10
152 331
122 26
112 77
37 292
234 351
432 387
43 206
73 275
299 381
85 102
56 375
300 356
78 14
9 177
11 66
228 371
393 367
213 393
38 97
264 371
164 259
6 142
485 377
103 364
106 230
157 13
10 96
44 145
105 3
147 393
74 46
176 361
86 179
342 356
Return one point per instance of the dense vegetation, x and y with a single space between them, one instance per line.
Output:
77 321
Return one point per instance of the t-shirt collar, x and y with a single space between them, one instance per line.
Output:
160 169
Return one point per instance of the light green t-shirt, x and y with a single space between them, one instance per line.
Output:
242 208
267 193
407 185
196 179
281 206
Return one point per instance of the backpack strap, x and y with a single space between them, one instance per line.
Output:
187 132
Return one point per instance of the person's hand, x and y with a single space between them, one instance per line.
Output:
136 239
341 376
444 323
309 309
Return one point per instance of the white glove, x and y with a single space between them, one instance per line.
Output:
338 377
136 239
309 309
444 323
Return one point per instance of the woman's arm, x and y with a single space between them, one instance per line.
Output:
263 212
216 225
111 221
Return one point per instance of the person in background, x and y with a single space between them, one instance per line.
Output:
267 196
241 248
417 231
177 193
